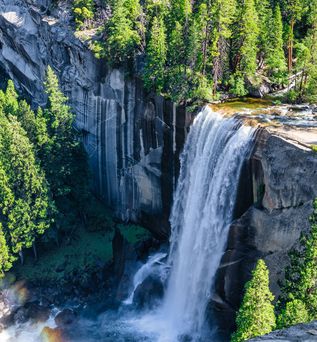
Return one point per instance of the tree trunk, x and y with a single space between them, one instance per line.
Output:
290 46
21 257
34 250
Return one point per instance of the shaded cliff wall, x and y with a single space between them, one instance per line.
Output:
282 177
132 138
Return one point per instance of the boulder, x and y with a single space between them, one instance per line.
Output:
65 317
37 313
148 293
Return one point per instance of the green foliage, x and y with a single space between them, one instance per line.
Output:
276 58
237 85
314 148
26 204
201 44
156 56
44 178
265 15
299 299
295 312
248 35
256 315
83 12
5 257
123 31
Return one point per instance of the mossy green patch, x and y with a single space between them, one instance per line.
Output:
236 105
83 254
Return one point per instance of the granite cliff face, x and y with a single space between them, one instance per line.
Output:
277 187
132 138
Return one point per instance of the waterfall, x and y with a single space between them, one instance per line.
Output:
202 212
204 201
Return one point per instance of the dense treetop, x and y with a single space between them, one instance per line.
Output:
190 50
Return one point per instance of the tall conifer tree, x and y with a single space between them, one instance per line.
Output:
156 56
256 315
276 58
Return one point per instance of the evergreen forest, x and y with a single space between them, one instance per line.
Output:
197 50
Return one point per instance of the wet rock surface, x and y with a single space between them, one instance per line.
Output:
65 317
148 293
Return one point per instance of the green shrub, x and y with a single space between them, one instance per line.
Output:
84 12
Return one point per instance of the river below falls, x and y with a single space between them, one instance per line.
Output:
121 326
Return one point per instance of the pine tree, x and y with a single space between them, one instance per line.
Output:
222 14
256 315
180 11
308 82
63 157
5 258
56 154
176 69
276 58
265 15
29 213
295 312
294 10
156 56
10 98
248 38
200 38
83 12
26 204
59 116
123 31
156 8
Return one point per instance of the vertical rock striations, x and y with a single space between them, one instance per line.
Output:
132 138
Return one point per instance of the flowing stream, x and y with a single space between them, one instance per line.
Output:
204 202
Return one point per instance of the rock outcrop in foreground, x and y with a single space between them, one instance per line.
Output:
297 333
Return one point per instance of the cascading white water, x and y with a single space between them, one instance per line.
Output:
202 212
204 201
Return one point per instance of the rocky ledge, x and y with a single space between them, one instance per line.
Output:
297 333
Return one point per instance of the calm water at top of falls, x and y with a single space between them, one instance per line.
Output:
204 202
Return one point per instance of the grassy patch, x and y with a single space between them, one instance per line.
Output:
83 254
